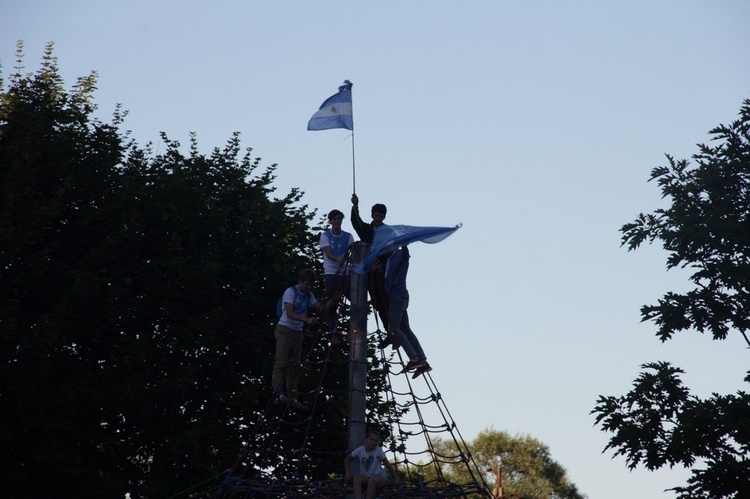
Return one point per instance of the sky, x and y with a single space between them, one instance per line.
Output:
535 124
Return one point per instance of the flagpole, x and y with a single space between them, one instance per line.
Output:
337 112
354 171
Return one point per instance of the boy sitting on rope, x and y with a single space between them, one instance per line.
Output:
371 460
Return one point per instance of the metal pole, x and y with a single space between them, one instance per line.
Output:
357 351
354 170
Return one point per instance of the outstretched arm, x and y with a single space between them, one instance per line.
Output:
329 253
391 470
357 222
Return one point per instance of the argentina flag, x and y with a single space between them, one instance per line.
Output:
335 112
391 237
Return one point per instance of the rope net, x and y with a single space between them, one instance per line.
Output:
292 452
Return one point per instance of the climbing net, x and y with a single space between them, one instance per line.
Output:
290 452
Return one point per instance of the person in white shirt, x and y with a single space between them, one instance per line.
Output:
289 337
371 474
335 243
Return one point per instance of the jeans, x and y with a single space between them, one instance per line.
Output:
399 318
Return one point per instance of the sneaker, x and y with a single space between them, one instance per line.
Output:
413 364
297 404
425 368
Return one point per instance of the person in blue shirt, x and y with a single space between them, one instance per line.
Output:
289 337
396 270
335 243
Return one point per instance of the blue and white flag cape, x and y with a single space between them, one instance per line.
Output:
391 237
335 112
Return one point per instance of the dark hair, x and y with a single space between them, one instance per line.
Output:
335 213
372 432
380 208
307 275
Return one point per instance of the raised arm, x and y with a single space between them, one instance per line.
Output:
348 468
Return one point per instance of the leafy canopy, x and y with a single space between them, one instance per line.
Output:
526 465
706 229
138 297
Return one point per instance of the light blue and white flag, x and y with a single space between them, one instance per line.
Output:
391 237
335 112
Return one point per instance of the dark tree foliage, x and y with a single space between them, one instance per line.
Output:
707 229
137 297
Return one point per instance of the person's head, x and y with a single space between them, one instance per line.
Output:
335 217
306 280
372 438
378 213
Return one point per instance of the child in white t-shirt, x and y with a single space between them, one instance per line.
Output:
371 460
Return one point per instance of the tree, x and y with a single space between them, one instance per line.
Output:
138 297
527 467
707 229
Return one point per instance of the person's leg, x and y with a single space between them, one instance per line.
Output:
374 485
396 312
336 286
331 317
346 286
376 283
357 484
281 359
294 369
409 334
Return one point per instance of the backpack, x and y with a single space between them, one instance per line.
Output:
280 303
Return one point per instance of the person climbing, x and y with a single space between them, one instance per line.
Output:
398 302
335 243
371 473
289 337
376 281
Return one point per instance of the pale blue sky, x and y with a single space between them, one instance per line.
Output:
534 123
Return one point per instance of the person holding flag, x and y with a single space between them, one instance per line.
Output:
376 282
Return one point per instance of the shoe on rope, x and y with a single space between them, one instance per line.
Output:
421 370
413 364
